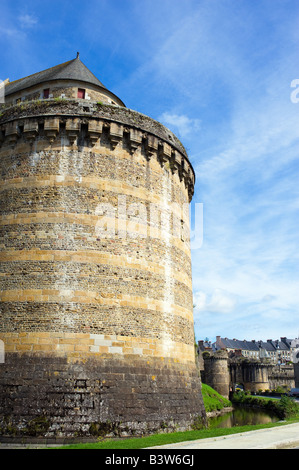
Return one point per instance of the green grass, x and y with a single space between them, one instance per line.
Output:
266 398
213 400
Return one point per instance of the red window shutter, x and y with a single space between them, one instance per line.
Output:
46 93
81 93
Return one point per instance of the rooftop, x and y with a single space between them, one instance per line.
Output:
269 345
72 70
237 344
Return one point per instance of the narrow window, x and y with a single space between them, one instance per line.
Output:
46 93
81 93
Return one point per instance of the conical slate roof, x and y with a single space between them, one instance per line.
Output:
71 70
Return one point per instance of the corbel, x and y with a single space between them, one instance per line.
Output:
72 128
12 132
51 128
151 145
184 170
116 134
177 161
135 139
30 130
95 129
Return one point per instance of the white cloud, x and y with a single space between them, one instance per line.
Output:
12 33
27 21
220 301
251 204
199 300
181 124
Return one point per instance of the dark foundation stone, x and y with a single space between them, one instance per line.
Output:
51 397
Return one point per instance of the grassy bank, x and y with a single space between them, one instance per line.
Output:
213 400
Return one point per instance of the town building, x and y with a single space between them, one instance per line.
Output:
276 351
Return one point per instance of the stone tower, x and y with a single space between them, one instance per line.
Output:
96 288
216 372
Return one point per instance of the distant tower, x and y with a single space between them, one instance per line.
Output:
96 288
216 371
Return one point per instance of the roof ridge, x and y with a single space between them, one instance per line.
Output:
72 69
42 71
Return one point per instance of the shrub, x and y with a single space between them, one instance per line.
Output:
287 407
283 408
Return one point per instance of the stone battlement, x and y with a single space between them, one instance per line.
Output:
84 123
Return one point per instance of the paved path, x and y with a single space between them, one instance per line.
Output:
286 436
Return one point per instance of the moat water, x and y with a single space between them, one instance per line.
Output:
241 416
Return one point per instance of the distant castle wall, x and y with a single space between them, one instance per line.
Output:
296 369
296 362
280 376
223 373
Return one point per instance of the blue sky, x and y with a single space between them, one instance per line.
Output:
218 73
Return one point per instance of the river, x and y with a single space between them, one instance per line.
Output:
241 416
